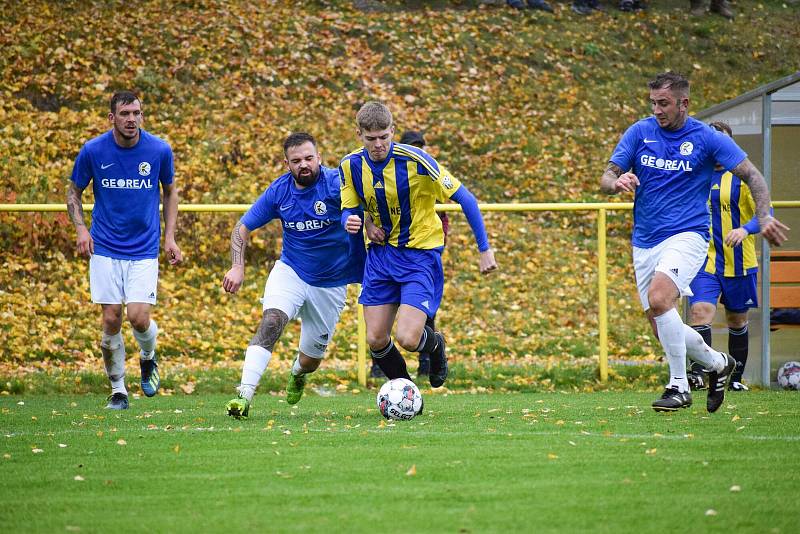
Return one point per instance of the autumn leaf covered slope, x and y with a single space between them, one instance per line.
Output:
522 107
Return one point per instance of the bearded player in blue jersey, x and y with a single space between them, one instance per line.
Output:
398 186
126 165
309 280
667 161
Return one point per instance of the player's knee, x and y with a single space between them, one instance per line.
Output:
273 322
407 341
660 302
377 341
140 321
112 319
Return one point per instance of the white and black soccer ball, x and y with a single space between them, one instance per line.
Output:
789 375
399 399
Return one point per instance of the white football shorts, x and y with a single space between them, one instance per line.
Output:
680 257
318 308
113 281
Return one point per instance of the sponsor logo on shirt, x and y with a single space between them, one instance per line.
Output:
127 183
448 183
666 164
303 226
104 166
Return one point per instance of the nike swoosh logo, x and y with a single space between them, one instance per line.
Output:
647 141
286 207
104 167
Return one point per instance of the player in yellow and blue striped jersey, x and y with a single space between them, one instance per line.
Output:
397 185
730 270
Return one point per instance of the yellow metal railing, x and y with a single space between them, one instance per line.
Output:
602 259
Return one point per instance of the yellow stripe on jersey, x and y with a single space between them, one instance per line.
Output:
400 195
725 212
727 226
747 209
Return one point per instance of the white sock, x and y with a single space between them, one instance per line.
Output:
256 359
113 349
296 369
147 340
673 340
698 351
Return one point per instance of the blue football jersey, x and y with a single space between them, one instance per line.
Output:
674 170
315 244
125 220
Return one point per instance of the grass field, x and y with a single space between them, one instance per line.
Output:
543 462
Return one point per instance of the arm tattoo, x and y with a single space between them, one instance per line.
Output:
270 329
74 206
609 177
237 245
758 186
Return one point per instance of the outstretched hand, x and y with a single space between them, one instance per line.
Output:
735 237
773 231
353 224
626 182
85 243
487 263
174 254
233 279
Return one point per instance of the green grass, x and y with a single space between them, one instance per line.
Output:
546 462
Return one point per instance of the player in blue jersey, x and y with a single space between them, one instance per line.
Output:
398 186
730 270
309 280
126 166
667 161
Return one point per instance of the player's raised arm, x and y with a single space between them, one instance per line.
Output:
469 206
772 229
235 276
615 180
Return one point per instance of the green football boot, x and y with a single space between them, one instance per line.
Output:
238 408
294 388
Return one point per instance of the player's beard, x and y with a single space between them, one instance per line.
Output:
306 180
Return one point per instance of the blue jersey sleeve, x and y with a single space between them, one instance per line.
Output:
82 170
625 150
167 167
725 150
470 207
752 225
261 212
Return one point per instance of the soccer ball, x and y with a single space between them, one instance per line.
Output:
789 375
399 399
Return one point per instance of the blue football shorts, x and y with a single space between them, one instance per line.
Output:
403 276
738 293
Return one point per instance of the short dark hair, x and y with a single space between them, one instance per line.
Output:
412 137
723 127
122 97
677 83
297 139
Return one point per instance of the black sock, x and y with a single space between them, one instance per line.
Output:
428 341
431 323
738 341
391 362
705 332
